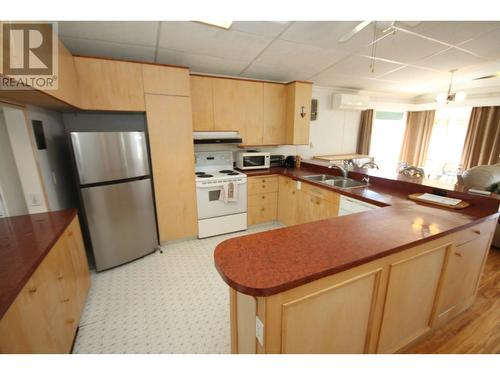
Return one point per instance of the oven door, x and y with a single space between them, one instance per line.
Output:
210 206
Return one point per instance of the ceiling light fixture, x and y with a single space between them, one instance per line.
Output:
222 24
445 98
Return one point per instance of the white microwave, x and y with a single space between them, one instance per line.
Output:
252 160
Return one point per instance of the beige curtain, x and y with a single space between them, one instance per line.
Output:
482 142
417 137
365 132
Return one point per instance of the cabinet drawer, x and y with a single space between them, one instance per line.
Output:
259 185
263 199
326 194
470 234
263 212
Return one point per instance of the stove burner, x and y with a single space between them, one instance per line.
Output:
233 174
228 171
204 175
199 173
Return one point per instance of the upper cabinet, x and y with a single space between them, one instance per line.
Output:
202 95
264 113
274 114
165 80
298 112
110 85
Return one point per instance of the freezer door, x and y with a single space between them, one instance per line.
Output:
108 156
121 221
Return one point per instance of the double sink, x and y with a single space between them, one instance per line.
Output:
336 181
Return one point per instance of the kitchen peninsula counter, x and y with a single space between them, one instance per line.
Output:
271 271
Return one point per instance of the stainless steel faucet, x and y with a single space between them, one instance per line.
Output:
344 170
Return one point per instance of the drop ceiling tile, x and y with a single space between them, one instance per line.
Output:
198 38
288 55
201 63
487 45
276 73
128 32
269 29
358 66
450 59
404 48
415 79
326 34
78 46
453 32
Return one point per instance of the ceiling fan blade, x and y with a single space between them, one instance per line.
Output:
360 26
497 75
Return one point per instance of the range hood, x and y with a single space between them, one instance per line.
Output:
216 137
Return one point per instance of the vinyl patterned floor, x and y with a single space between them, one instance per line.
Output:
173 302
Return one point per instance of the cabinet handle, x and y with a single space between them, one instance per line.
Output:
70 233
60 277
66 300
262 209
458 254
477 231
263 197
32 290
70 321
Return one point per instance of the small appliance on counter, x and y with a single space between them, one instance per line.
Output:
277 161
290 161
252 160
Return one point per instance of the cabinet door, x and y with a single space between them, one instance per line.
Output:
274 114
202 100
165 80
318 209
287 201
299 96
170 133
226 104
462 274
410 298
250 105
110 85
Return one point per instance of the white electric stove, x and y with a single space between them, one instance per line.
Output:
214 215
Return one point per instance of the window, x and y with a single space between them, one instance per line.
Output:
387 136
447 141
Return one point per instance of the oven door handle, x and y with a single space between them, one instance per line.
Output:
215 186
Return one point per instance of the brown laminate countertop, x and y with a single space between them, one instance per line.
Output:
271 262
24 242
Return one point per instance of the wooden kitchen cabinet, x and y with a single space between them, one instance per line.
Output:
226 104
262 199
110 85
274 114
463 271
289 211
45 315
165 80
170 133
202 99
298 112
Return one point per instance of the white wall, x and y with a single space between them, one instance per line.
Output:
54 162
10 184
334 132
25 160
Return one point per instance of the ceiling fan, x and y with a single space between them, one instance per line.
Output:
445 98
385 26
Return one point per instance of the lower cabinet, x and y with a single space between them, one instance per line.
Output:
309 203
378 307
262 199
44 316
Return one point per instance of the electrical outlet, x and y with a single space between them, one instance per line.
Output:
35 199
299 185
259 331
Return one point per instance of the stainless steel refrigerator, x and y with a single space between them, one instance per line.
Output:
116 193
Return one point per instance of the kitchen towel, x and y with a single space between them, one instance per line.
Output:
228 192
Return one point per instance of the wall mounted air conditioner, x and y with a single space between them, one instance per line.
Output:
350 102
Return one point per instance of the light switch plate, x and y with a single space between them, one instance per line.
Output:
259 330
